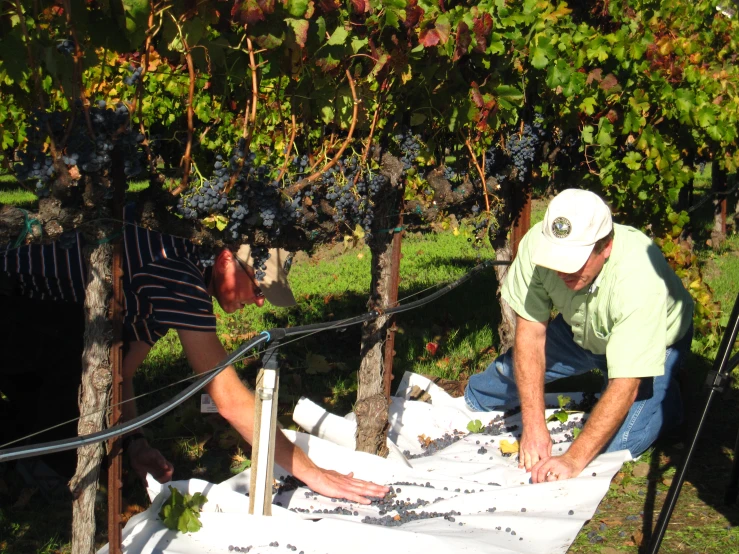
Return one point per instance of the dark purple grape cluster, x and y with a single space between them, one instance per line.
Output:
517 158
410 147
89 155
134 77
66 46
259 256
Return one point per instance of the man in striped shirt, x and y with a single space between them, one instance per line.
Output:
167 287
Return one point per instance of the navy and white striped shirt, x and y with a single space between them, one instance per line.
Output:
164 282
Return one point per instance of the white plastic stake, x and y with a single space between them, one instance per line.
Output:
263 449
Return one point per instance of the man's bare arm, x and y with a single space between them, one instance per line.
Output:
607 417
529 367
236 403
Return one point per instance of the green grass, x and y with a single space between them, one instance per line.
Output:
18 197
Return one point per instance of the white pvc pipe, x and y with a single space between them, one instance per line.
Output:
266 394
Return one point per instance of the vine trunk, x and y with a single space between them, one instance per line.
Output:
372 404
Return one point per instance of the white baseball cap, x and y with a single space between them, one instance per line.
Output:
274 285
575 220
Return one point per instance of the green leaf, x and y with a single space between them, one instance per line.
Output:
539 58
297 8
576 432
182 512
475 426
508 96
588 105
327 114
320 24
339 36
300 28
135 20
417 119
587 134
563 400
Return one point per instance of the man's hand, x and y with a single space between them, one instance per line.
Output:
335 485
145 459
535 446
556 468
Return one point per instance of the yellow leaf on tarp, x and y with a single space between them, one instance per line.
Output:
507 447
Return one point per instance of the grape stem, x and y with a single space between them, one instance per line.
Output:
374 123
481 172
248 130
77 74
289 149
297 187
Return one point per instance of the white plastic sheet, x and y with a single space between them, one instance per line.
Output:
495 507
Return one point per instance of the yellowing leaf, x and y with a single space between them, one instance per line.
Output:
508 447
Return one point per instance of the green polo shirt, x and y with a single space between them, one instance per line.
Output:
634 309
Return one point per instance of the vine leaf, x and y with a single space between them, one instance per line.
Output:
338 37
475 426
182 512
134 19
300 28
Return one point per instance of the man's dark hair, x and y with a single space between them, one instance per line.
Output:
602 243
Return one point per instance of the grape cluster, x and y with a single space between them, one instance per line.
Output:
517 158
410 147
66 47
88 155
135 76
259 256
206 197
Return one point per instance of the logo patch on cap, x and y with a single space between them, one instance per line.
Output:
561 227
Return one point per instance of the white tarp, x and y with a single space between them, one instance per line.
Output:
467 497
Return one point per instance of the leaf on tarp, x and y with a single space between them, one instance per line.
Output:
475 426
576 432
559 415
182 512
507 447
316 364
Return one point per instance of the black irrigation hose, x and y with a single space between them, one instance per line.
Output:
136 423
266 336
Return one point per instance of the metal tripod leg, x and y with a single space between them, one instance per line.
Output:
718 378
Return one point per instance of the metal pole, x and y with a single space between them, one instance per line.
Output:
265 428
717 380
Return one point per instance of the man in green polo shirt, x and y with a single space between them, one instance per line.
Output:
621 309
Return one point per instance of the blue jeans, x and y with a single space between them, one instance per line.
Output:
658 406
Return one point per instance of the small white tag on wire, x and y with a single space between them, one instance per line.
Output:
207 406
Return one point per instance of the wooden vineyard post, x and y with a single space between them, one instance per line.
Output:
115 454
265 428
